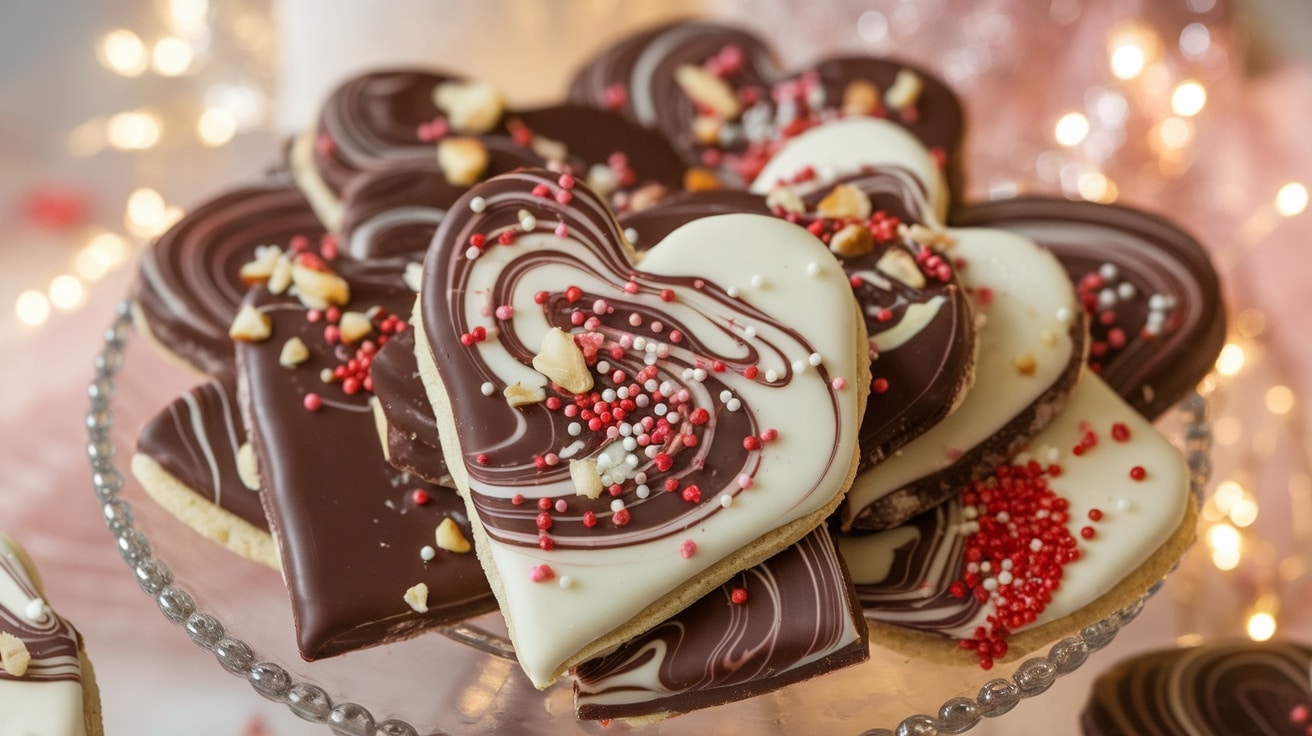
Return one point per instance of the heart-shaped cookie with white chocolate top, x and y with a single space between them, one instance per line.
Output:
628 434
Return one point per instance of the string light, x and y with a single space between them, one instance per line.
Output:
1224 542
1188 98
1130 49
66 292
1291 199
1071 129
1279 399
1261 626
133 131
188 18
32 308
122 52
172 56
216 127
1231 359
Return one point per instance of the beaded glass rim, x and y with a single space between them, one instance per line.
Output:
311 702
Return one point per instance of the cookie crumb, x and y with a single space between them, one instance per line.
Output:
14 656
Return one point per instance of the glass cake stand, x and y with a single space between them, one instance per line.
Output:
467 681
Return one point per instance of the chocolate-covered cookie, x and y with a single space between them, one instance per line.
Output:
190 280
1156 314
1214 689
378 119
613 421
720 96
370 554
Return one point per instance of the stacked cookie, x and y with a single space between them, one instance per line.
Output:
624 368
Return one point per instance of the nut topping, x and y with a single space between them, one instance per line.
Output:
561 360
463 160
708 91
471 107
845 202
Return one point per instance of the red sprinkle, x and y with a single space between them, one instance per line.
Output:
687 549
1120 432
879 385
541 573
751 443
621 517
1087 532
692 494
1095 514
420 497
1138 473
313 402
589 519
738 596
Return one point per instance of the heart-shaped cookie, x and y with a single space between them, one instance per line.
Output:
378 119
191 280
719 96
713 424
1156 313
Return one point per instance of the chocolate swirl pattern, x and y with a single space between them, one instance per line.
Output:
719 95
1157 318
189 282
383 118
794 618
1216 689
719 370
350 528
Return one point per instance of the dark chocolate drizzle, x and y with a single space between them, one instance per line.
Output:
1155 257
793 626
1215 689
51 641
348 528
188 286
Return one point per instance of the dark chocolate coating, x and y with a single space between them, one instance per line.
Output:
412 437
791 627
196 439
643 66
1214 689
188 288
348 528
1156 257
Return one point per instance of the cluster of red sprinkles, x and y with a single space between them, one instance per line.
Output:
1015 558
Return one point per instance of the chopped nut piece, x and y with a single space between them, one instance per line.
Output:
517 394
861 97
549 149
646 196
413 275
905 90
380 426
451 538
708 90
786 199
14 656
250 325
417 597
354 327
706 130
852 240
319 289
602 179
471 107
697 179
587 482
463 160
248 468
1026 364
925 235
260 268
281 276
293 353
845 202
901 265
561 360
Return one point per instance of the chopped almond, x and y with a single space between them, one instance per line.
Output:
250 325
471 107
861 97
845 202
517 394
561 360
354 327
905 90
451 538
697 179
708 91
587 482
901 265
417 597
462 160
293 353
14 656
319 289
852 240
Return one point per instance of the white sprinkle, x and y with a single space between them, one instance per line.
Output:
488 389
631 461
726 500
629 443
660 409
1106 299
608 395
477 204
1157 302
1007 564
427 553
643 401
36 609
604 462
1004 578
631 235
813 269
527 221
651 385
814 359
758 281
1124 504
687 374
972 567
799 366
986 566
575 429
699 374
1003 517
771 375
732 291
639 477
565 581
749 332
639 343
674 417
652 451
1125 290
970 512
643 490
1036 544
666 387
733 405
622 392
471 252
617 505
603 366
1064 315
990 584
725 395
1108 271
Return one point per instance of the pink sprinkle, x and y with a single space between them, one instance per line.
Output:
577 318
562 230
313 402
635 319
1299 714
505 311
541 573
566 181
687 549
744 481
630 288
839 383
561 506
600 306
